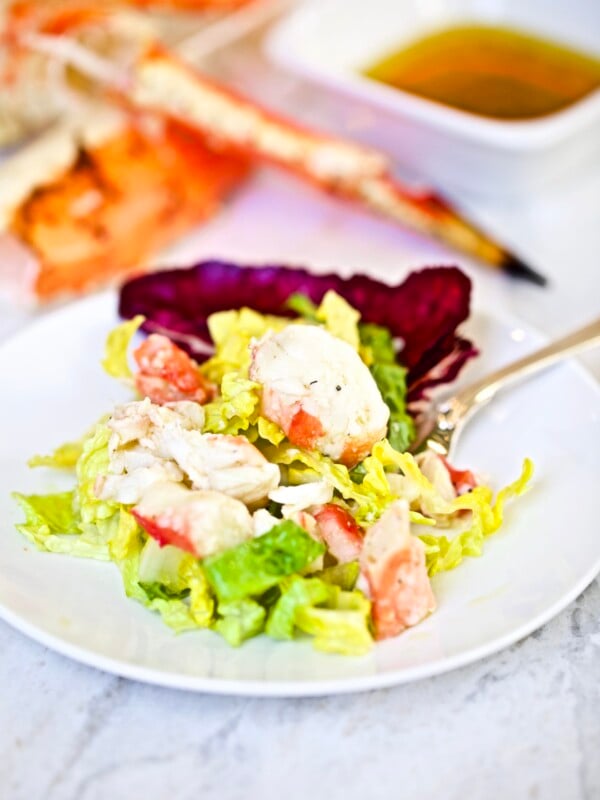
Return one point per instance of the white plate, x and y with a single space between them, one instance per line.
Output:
547 553
331 42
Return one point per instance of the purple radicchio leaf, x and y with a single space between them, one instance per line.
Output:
423 311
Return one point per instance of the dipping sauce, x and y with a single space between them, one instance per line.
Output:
492 72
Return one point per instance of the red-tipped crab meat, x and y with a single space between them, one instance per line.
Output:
448 481
463 480
339 531
393 561
320 392
199 521
435 470
167 374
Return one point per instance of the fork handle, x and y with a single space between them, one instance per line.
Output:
482 391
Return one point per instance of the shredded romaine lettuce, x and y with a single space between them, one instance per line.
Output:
115 360
296 592
376 344
254 566
239 620
232 332
443 552
160 565
93 463
126 539
184 603
377 350
391 382
339 318
236 408
53 524
65 456
303 306
343 575
342 626
334 313
370 497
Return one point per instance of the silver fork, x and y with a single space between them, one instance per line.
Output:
445 421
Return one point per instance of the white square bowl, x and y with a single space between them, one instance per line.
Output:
330 42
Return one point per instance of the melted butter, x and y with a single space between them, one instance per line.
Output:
492 72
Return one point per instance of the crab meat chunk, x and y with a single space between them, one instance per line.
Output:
436 472
301 497
167 374
340 532
152 443
393 562
201 522
319 391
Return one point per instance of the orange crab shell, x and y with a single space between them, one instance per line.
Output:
120 203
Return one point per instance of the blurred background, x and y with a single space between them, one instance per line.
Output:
332 133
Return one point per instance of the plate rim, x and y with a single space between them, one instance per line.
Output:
303 687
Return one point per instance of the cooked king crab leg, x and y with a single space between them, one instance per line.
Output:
158 81
164 84
96 196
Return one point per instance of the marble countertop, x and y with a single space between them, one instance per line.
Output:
521 724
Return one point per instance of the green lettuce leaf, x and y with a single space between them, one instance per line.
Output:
127 537
391 382
232 332
377 344
303 306
158 591
236 408
342 575
342 626
93 462
183 600
339 318
443 552
53 524
201 599
377 350
254 566
63 457
370 497
296 592
334 313
115 361
239 620
162 565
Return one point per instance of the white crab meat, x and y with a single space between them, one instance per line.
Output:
436 472
263 521
151 442
393 562
320 392
201 522
301 497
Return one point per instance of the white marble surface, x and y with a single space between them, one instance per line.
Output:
522 724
